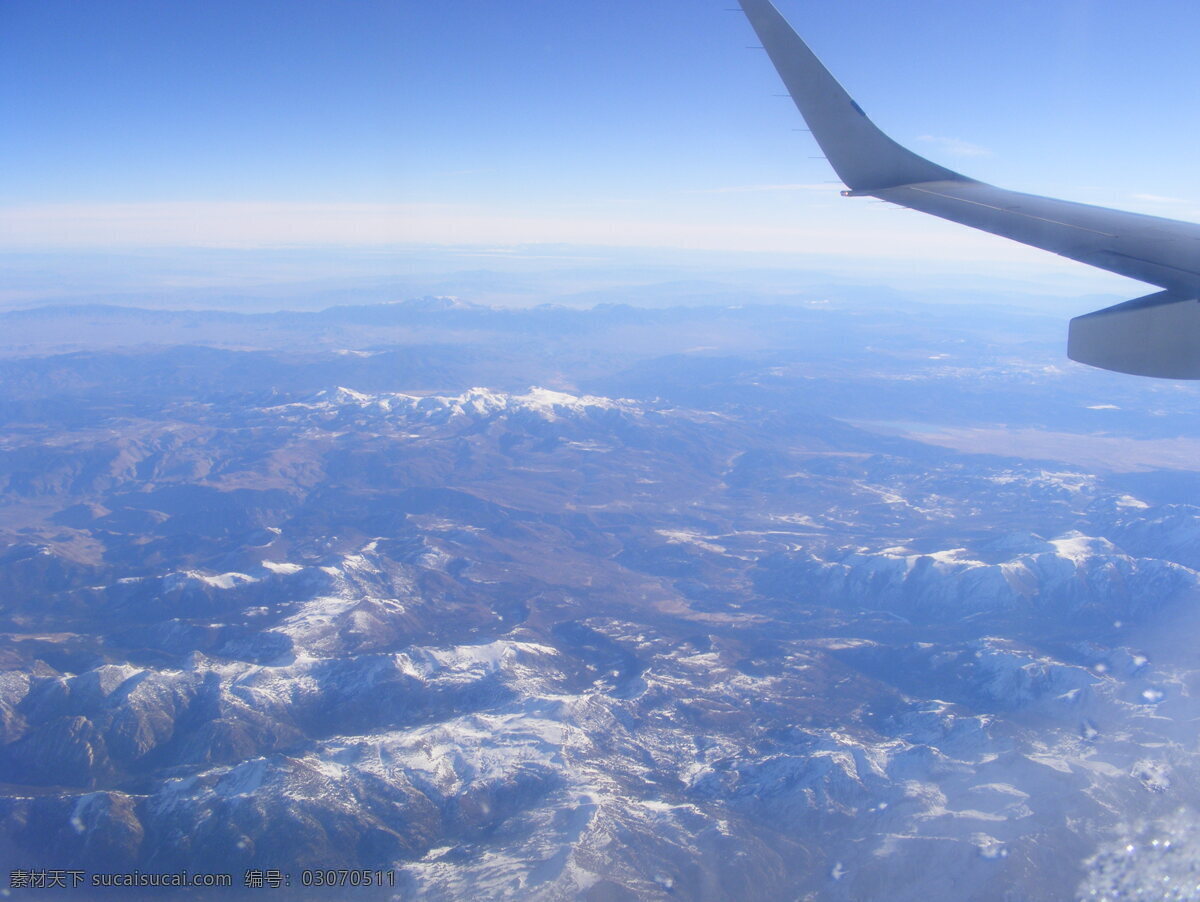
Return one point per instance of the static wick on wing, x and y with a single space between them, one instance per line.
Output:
1156 335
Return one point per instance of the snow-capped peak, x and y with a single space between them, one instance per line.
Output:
546 403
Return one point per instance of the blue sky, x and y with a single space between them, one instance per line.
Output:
623 122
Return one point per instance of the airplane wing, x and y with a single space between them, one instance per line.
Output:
1158 335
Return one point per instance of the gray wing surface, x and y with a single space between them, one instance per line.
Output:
1154 336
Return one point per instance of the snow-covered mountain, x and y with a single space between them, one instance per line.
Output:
640 635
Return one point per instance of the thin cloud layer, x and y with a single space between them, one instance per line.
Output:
853 229
747 189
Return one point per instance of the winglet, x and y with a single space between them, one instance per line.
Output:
864 157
